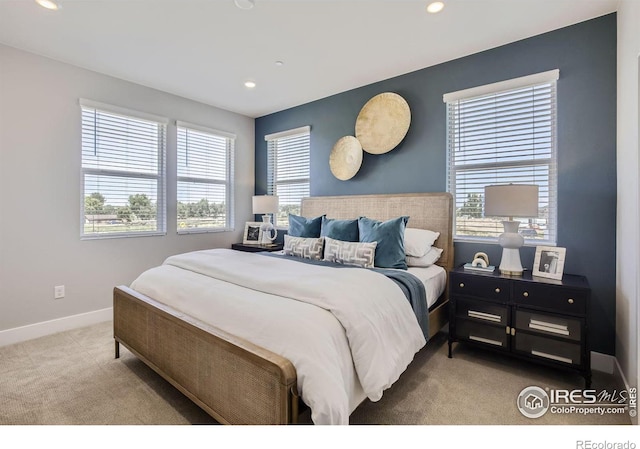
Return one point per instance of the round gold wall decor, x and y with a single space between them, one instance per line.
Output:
345 158
383 122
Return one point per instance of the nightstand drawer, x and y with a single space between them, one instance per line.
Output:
482 311
548 349
556 325
573 301
482 287
480 333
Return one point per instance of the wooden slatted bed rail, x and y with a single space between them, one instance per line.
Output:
233 380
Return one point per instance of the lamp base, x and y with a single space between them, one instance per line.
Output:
267 227
510 264
511 242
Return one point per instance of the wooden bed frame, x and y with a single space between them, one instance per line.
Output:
232 379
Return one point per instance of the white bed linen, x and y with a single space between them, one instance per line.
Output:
434 279
325 332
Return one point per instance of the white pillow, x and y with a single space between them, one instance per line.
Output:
417 242
360 254
427 260
306 248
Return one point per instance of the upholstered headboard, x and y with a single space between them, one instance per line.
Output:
433 211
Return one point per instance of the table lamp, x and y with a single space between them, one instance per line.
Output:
511 200
266 204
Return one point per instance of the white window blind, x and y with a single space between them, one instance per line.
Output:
123 172
205 179
288 162
499 134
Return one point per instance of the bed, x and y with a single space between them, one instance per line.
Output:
227 374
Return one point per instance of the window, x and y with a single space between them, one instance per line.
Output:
288 155
205 179
499 134
123 172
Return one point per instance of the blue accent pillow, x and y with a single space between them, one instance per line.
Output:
390 237
345 230
304 227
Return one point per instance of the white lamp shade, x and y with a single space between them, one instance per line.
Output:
511 200
265 204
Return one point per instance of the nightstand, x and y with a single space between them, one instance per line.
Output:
256 248
537 319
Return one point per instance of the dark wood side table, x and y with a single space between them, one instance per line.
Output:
537 319
256 248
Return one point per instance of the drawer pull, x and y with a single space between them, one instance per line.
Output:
549 327
525 294
507 330
485 340
497 290
551 356
484 316
461 284
570 301
513 331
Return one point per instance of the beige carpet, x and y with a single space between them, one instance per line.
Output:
73 378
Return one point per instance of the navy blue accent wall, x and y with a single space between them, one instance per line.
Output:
585 53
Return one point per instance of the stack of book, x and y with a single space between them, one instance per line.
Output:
470 267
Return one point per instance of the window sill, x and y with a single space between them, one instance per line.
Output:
120 235
204 231
494 241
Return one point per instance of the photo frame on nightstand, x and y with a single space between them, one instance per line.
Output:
252 233
549 262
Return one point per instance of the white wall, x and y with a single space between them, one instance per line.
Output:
40 188
628 220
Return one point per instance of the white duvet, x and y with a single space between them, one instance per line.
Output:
345 330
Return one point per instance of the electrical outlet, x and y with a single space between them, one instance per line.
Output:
58 291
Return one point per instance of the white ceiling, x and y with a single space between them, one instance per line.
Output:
205 49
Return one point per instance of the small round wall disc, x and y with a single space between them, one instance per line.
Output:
346 158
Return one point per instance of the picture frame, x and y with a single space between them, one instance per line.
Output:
549 262
252 233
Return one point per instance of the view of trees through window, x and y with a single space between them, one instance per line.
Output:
139 214
201 214
284 210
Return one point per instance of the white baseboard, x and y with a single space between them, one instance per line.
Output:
31 331
619 374
609 364
603 362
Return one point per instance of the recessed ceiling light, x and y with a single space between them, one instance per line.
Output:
435 7
49 4
244 4
249 84
279 63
